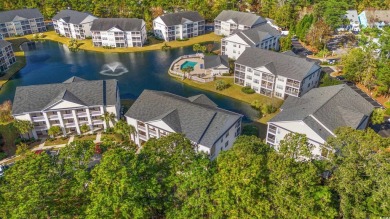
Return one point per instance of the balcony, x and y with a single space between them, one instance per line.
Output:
82 114
67 116
38 118
293 84
53 117
97 121
272 130
292 91
96 113
40 127
143 137
83 122
153 132
271 139
143 128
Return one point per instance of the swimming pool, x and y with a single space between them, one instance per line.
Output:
188 64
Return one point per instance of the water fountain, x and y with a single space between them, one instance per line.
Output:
114 69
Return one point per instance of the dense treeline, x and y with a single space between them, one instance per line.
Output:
284 12
168 179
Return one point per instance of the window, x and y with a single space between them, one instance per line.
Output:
308 85
281 79
278 94
221 139
226 144
227 134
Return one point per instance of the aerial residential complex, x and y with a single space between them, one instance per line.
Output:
353 18
21 22
73 24
155 114
275 74
228 22
7 56
69 105
264 36
317 114
179 25
118 32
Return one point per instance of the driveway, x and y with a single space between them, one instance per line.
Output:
365 96
382 129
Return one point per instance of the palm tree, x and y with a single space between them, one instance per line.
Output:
107 117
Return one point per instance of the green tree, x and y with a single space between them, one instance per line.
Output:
23 126
84 128
378 116
333 13
54 131
285 43
29 188
122 128
318 34
361 173
196 47
115 188
295 146
241 180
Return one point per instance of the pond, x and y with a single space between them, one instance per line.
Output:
52 62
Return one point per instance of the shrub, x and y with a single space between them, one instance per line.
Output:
256 104
247 90
268 109
64 137
250 130
221 85
226 74
3 155
387 111
184 39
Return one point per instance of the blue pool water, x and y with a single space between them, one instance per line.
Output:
188 64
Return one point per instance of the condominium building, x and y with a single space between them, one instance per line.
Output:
317 114
21 22
264 36
155 114
69 105
179 25
229 22
276 74
7 56
374 18
73 24
118 32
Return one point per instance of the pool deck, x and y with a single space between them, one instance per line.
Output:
197 70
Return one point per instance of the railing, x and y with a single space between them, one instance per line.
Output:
142 136
97 121
181 74
153 132
272 130
40 127
96 113
202 80
38 118
293 84
83 122
143 128
272 140
67 116
82 114
53 117
70 124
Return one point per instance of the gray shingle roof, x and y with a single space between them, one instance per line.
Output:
214 61
8 16
242 18
71 16
4 43
258 34
89 93
74 79
333 106
179 18
284 64
197 117
124 24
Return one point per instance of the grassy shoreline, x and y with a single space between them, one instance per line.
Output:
234 91
20 60
156 45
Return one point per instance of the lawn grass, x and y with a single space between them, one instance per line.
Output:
20 59
154 43
85 137
56 141
234 91
114 137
